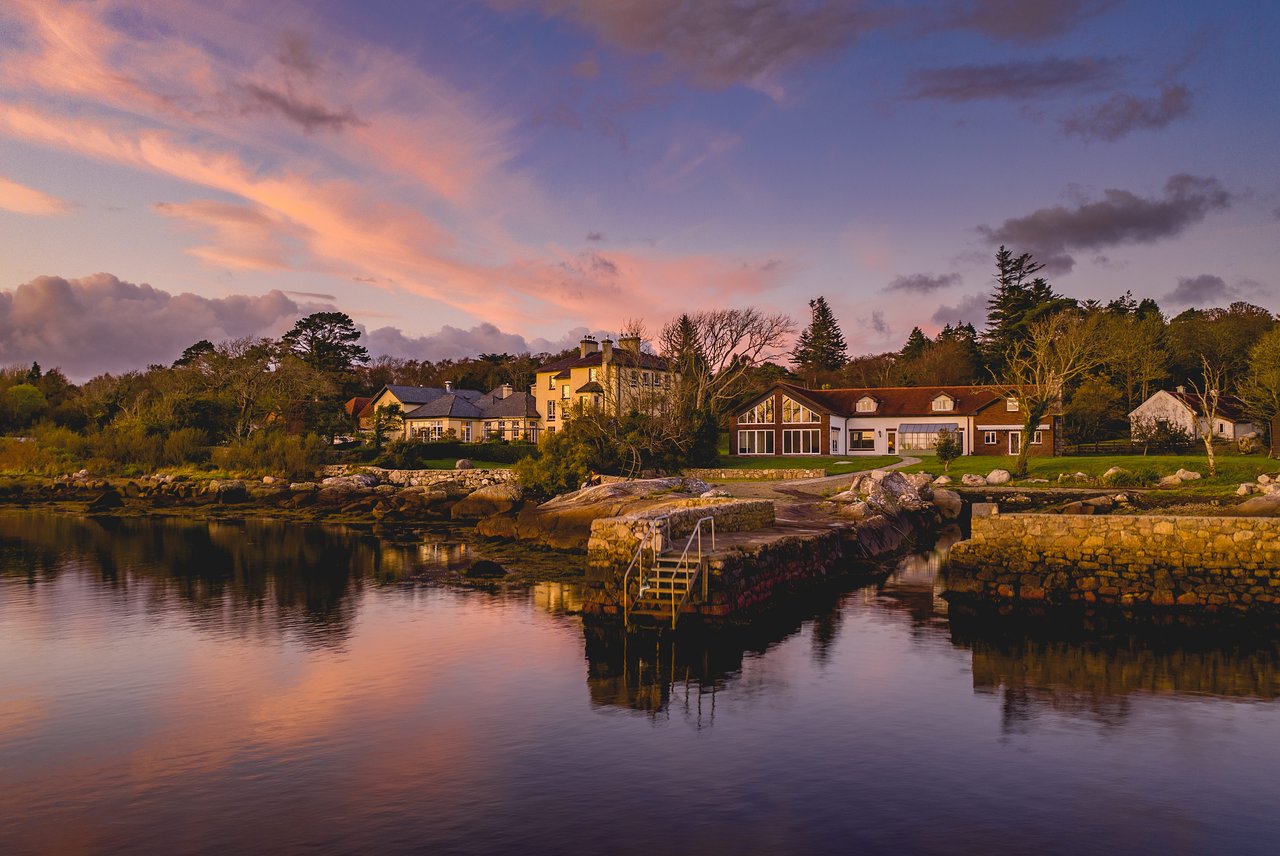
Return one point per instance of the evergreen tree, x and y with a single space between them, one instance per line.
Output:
917 344
326 341
821 346
1021 298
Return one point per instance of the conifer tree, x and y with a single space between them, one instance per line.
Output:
1021 298
821 346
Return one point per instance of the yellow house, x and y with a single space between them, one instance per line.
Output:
603 377
471 416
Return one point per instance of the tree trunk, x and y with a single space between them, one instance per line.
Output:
1208 450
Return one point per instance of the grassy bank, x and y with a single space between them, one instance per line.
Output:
834 465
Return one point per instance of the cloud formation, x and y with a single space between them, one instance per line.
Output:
720 43
971 309
1019 20
1120 217
452 343
923 283
309 115
21 199
1200 291
1021 79
101 323
1122 114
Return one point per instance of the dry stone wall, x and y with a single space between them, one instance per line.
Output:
466 479
1156 560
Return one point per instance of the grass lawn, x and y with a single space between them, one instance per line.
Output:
834 465
1232 469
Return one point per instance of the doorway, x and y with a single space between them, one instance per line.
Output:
892 442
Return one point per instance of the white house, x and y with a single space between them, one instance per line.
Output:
1180 408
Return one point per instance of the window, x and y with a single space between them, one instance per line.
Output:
1011 404
551 429
989 438
866 404
644 378
755 442
597 401
801 441
795 412
564 392
551 382
551 411
466 432
762 412
502 429
1037 437
488 430
593 374
862 441
633 377
944 402
923 437
1222 427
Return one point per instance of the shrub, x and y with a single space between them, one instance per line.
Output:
1127 478
274 453
410 454
948 448
563 464
186 446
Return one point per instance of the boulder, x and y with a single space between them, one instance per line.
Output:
269 479
942 480
1169 481
230 491
1187 475
886 490
464 464
1264 479
484 501
485 569
1076 508
998 477
1266 505
1246 489
715 493
105 501
973 480
948 503
857 511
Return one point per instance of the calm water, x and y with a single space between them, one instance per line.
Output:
217 688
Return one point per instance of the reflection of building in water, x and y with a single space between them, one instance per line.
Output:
441 554
558 598
917 585
1083 665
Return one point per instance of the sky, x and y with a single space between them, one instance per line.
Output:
505 175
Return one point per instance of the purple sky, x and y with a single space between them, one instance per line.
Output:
502 175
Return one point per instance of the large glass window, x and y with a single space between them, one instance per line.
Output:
862 441
762 412
793 411
922 438
755 442
802 441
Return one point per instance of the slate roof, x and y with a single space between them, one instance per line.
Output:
621 357
485 405
447 406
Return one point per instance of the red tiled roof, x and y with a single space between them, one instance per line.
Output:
1229 407
895 401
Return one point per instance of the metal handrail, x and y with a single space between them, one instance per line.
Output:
684 563
650 533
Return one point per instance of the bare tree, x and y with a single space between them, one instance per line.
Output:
1205 404
729 342
1056 351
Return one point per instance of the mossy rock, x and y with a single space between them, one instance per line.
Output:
485 569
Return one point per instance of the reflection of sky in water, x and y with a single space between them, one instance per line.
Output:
182 689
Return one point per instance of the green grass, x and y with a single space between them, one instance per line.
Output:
834 465
1232 469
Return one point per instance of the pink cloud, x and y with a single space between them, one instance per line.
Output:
21 199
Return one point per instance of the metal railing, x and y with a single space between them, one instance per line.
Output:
649 539
683 562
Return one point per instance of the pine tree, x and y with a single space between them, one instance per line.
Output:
917 344
821 346
1020 299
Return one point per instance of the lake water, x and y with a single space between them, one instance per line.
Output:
179 687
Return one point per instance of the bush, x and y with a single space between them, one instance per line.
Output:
948 448
275 453
1135 478
186 446
563 465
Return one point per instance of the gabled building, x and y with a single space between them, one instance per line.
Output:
1180 409
791 420
601 376
471 416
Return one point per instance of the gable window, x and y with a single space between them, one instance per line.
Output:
762 412
989 438
944 402
866 404
1011 404
793 411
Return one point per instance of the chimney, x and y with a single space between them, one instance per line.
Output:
504 390
448 386
631 343
606 350
1182 390
587 346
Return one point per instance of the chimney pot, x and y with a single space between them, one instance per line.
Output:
588 345
448 386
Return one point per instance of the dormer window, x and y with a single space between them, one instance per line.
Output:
866 404
944 402
1011 404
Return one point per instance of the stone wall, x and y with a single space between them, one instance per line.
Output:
614 540
760 475
1161 561
465 479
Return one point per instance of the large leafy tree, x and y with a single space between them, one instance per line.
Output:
1261 387
821 346
327 341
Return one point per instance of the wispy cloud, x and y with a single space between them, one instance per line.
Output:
1021 79
21 199
1019 20
1122 114
923 283
1120 217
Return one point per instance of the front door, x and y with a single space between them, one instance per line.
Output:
1015 442
892 437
